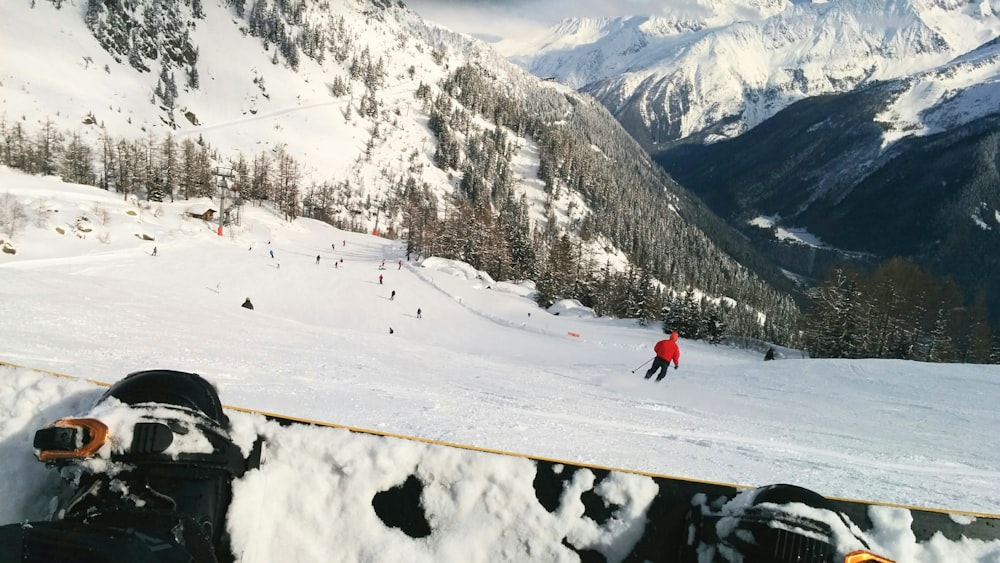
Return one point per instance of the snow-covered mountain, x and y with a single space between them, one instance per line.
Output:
367 99
944 98
901 168
869 124
718 69
236 85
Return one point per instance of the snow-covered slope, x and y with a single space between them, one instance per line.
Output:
367 99
249 100
944 98
484 366
723 68
244 101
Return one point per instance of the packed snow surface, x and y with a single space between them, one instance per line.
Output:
484 366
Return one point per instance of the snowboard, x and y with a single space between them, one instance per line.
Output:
178 478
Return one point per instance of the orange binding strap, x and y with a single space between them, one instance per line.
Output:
862 556
98 435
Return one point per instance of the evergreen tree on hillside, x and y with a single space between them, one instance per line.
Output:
940 347
832 331
285 193
48 148
515 229
170 165
714 323
189 169
77 161
554 278
260 178
979 336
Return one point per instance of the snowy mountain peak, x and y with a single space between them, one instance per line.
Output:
963 90
721 68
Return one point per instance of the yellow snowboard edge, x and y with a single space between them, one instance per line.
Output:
517 454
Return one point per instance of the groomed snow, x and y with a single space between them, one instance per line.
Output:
483 367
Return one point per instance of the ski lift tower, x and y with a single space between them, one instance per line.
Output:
223 173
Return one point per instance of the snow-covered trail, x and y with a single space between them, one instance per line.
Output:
477 369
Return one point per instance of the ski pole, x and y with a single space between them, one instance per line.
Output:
643 363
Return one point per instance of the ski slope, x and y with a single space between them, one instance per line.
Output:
483 367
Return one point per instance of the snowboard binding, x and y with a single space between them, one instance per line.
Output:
774 524
146 477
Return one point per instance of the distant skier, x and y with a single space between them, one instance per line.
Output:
400 265
154 251
317 258
380 279
279 264
769 355
247 304
272 253
418 313
390 330
392 296
666 351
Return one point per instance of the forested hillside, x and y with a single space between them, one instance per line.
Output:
444 144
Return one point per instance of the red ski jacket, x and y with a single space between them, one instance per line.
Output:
667 350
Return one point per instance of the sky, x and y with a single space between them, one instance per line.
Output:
483 367
492 20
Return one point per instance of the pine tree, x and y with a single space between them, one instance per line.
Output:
286 188
188 168
980 335
169 171
715 325
515 228
193 78
260 179
108 161
557 270
48 149
77 162
940 347
832 329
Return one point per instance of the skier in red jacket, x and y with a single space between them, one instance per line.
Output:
666 351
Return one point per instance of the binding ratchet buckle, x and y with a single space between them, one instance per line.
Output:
862 556
70 438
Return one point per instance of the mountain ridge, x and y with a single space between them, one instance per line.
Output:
365 116
724 68
922 77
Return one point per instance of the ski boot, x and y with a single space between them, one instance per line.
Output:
146 475
774 524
